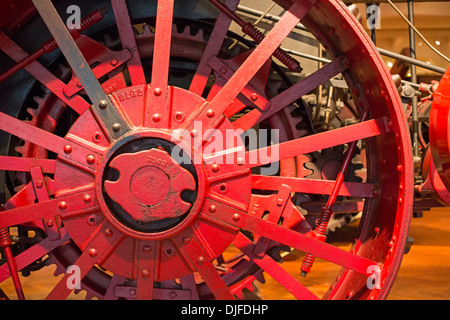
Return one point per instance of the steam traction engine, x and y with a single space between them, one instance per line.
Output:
115 158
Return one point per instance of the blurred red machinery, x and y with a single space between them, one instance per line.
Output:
115 157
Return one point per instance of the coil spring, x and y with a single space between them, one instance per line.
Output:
281 55
5 238
85 24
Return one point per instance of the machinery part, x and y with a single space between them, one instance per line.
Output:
439 129
51 45
327 210
223 203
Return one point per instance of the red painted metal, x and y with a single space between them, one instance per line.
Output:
5 244
258 36
327 210
51 45
127 206
150 185
439 131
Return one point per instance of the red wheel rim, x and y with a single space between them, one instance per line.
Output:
224 210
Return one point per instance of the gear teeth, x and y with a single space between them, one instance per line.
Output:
147 31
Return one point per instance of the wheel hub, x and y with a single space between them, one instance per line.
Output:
150 185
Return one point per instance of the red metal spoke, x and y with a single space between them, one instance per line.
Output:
294 93
253 63
128 39
110 64
96 249
5 244
68 204
190 247
147 265
110 118
212 49
314 186
158 91
33 253
51 45
308 144
77 103
71 151
25 164
272 268
293 239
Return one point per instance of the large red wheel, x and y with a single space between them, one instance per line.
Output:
439 130
144 191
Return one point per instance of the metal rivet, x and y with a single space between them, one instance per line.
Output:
215 168
186 240
254 97
210 113
92 252
67 149
49 223
194 133
90 159
62 205
114 62
156 117
212 209
87 198
108 232
117 127
145 273
146 249
240 161
236 217
103 104
200 260
157 92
